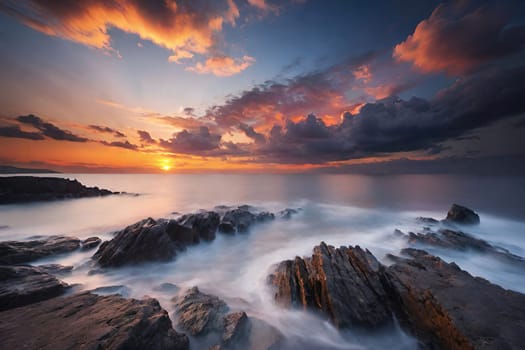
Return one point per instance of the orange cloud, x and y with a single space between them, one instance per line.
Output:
222 66
459 36
363 73
184 30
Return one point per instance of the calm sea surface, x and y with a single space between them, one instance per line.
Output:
337 209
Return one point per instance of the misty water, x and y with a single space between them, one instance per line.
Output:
337 209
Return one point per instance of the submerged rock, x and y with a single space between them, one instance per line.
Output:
236 329
56 269
18 252
441 304
23 285
89 321
90 243
462 215
19 189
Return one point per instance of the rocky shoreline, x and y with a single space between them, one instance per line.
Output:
25 189
440 304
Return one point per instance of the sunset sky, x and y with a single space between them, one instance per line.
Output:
258 85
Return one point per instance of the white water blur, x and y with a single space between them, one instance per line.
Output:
336 210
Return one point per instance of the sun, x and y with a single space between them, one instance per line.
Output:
166 167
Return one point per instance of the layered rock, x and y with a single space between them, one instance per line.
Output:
345 284
18 252
23 285
438 302
19 189
240 219
89 321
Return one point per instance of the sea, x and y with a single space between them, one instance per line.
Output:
338 209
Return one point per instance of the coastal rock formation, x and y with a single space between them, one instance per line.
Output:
205 316
89 321
90 243
438 302
462 215
18 252
345 284
160 240
23 285
20 189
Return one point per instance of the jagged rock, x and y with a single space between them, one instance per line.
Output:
462 215
18 189
199 313
428 221
23 285
205 224
345 284
18 252
56 269
449 308
287 213
90 243
236 329
89 321
109 290
226 227
241 218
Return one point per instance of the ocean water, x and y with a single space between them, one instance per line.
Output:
337 209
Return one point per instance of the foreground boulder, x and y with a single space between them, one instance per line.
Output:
89 321
23 285
19 189
448 307
441 304
462 215
209 319
18 252
345 284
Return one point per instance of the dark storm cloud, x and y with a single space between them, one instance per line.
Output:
106 129
395 125
15 132
193 142
461 35
251 133
50 130
122 144
145 137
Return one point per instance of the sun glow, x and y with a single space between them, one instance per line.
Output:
165 164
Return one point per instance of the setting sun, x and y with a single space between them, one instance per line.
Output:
166 167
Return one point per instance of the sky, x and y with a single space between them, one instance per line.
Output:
260 85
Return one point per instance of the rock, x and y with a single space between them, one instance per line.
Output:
19 189
90 243
109 290
236 329
23 285
287 213
462 215
199 313
226 227
56 269
345 284
241 218
428 221
18 252
449 308
205 224
146 240
166 288
89 321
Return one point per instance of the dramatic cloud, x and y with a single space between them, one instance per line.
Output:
125 144
50 130
105 129
251 133
222 66
193 142
145 137
461 35
14 131
184 27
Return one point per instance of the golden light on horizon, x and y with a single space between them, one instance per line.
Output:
165 164
166 167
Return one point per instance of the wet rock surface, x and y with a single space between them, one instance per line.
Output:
345 284
19 252
21 189
89 321
90 243
161 240
462 215
441 304
23 285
